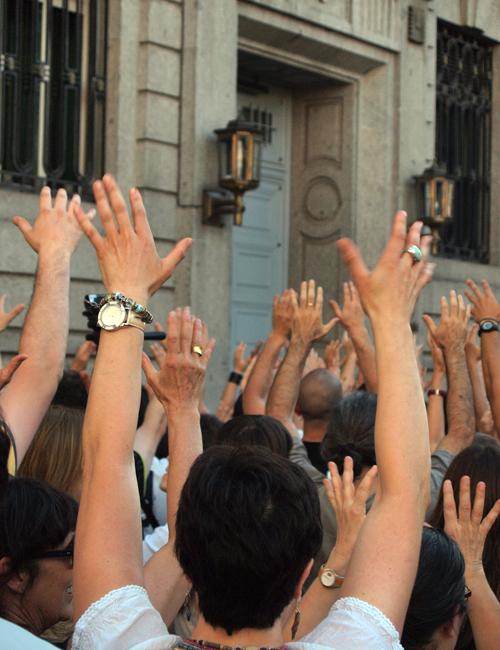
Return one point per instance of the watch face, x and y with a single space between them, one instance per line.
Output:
328 578
486 327
112 315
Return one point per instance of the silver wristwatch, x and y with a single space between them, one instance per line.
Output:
114 315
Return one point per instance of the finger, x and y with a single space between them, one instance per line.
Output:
61 202
303 294
9 370
208 351
149 370
117 202
453 303
186 331
487 289
141 222
449 507
352 259
478 505
329 326
15 311
472 285
444 308
319 300
104 209
425 246
365 488
424 276
462 310
336 308
413 238
464 504
173 343
2 301
335 487
490 519
430 324
398 239
174 258
347 294
197 333
45 201
347 480
89 229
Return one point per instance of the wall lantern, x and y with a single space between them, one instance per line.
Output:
239 151
435 200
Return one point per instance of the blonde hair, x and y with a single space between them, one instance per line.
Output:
55 455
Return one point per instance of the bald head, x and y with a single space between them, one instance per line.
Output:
320 391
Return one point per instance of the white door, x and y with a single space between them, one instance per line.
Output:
260 245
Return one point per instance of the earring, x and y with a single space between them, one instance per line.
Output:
187 605
296 619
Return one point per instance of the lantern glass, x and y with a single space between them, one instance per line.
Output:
439 198
225 158
243 155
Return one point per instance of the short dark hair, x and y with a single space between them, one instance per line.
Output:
71 391
439 590
319 392
248 524
251 430
351 432
34 518
209 425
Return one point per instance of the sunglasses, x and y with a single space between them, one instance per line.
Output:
63 554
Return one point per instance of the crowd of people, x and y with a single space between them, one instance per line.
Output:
341 495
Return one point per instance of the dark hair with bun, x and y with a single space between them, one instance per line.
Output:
351 432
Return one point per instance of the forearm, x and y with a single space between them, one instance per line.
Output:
165 582
26 399
483 610
481 404
347 376
366 356
148 435
259 382
490 354
112 524
285 388
227 401
459 404
435 412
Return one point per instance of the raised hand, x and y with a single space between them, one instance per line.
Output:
307 324
82 356
127 254
472 349
349 504
351 316
56 226
466 525
389 292
240 362
283 313
484 304
179 382
438 362
6 317
452 329
331 356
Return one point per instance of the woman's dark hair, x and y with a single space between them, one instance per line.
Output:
71 391
34 518
5 443
482 463
351 432
209 425
248 524
439 590
251 430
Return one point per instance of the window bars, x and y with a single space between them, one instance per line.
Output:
463 137
52 93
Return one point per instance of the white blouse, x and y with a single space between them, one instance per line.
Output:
125 619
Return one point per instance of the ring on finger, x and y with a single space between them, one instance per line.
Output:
415 252
196 349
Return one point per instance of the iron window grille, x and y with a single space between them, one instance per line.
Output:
463 137
52 93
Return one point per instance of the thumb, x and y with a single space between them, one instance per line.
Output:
430 324
24 226
15 311
7 373
148 369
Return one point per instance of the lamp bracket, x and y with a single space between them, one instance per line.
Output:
216 204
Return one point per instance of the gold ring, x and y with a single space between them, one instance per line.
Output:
197 350
310 304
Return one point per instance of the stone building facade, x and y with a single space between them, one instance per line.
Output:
348 89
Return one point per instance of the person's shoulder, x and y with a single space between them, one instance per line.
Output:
352 623
123 618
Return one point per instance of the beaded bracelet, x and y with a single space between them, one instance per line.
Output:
145 315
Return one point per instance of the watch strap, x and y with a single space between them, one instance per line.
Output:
134 321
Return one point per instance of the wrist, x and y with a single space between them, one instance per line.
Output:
437 380
138 294
182 410
278 337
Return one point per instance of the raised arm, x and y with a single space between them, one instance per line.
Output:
178 386
108 550
352 318
259 382
307 327
450 335
482 409
469 530
54 236
229 396
486 308
436 394
384 562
